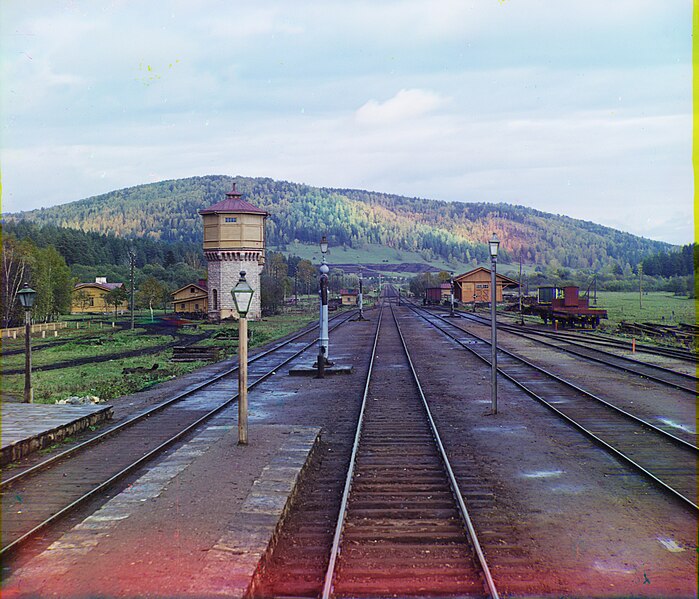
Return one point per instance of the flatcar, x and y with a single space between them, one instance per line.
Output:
564 307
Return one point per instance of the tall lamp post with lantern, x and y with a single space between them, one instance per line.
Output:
27 296
242 297
323 339
493 246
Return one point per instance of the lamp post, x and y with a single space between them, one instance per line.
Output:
323 341
242 297
451 294
27 296
493 245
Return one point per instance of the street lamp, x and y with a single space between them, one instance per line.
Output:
493 245
323 340
242 297
451 294
27 296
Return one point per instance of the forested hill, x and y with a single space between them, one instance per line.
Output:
168 211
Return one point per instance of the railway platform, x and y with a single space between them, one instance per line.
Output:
29 427
216 506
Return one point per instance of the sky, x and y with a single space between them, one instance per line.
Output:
575 108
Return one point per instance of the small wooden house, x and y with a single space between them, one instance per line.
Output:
474 285
349 297
88 298
191 299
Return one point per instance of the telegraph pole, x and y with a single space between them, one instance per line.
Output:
521 315
132 263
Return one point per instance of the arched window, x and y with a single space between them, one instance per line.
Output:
215 298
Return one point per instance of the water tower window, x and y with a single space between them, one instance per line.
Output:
231 219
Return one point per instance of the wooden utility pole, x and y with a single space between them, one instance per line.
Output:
521 315
243 381
132 263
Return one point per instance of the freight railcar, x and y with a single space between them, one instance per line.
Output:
434 296
564 307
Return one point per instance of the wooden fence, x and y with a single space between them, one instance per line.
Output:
36 328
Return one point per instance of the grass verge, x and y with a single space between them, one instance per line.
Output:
106 380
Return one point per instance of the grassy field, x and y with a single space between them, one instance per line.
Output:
656 307
105 379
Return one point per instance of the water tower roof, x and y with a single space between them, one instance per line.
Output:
234 202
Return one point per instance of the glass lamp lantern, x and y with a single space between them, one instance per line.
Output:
493 245
27 296
324 245
242 295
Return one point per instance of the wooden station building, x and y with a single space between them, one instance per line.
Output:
474 285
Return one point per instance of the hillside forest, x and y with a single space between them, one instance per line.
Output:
455 231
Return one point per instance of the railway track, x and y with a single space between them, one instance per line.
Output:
43 494
659 374
596 338
403 528
664 459
400 530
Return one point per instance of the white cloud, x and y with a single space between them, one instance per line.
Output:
407 104
579 108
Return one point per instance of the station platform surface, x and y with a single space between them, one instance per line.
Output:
197 523
29 427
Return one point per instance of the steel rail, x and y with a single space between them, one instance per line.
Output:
450 473
161 406
556 377
156 451
335 548
570 420
563 381
584 392
599 339
532 336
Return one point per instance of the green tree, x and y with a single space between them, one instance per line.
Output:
306 274
116 297
15 271
152 292
53 283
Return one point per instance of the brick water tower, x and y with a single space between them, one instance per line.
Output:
234 240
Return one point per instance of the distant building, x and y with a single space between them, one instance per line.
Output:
234 240
88 298
191 299
349 297
474 285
